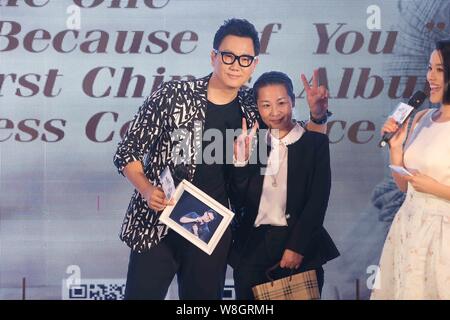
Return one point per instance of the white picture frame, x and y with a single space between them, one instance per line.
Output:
197 217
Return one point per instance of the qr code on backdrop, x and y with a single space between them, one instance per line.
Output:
114 289
94 289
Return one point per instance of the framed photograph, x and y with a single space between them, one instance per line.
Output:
197 217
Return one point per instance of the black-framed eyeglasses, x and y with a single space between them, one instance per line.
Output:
229 58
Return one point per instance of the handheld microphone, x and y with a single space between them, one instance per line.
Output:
402 113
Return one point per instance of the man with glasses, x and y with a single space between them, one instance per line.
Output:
217 101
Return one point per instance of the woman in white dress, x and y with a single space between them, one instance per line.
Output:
415 263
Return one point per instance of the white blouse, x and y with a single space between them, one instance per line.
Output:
272 207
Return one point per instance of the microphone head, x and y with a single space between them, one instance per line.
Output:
417 99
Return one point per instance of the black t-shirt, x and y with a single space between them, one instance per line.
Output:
211 177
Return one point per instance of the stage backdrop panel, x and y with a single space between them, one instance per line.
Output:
74 72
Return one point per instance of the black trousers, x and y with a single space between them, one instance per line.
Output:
200 276
264 249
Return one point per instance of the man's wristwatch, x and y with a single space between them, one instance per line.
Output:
321 120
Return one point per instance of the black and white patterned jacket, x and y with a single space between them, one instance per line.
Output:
176 107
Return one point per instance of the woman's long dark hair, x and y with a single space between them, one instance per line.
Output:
443 46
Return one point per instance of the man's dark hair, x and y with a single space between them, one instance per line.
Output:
443 46
274 77
240 28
